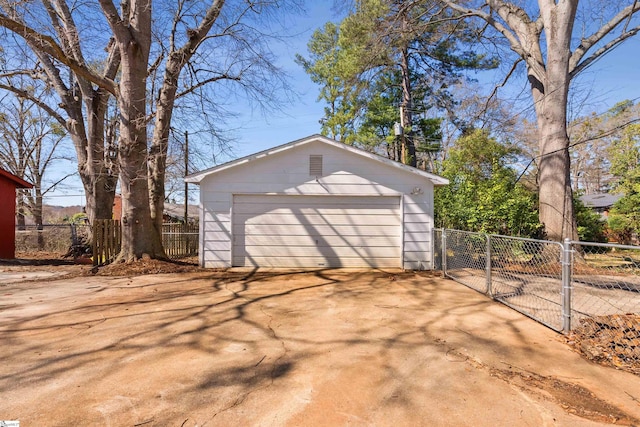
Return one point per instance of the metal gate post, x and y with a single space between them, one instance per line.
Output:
444 252
566 286
488 265
433 248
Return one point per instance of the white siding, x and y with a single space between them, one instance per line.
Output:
344 174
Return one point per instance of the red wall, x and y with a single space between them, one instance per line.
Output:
7 219
117 207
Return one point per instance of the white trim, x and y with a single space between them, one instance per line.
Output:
201 233
197 177
402 230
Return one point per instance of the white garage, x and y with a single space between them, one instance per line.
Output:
316 203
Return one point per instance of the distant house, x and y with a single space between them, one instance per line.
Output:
8 184
172 212
316 202
600 202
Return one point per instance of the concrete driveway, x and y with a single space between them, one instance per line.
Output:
282 348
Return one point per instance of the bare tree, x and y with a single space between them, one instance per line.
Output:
543 38
591 138
78 105
32 144
128 73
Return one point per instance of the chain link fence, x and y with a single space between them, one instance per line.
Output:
54 240
558 285
588 290
605 303
72 240
526 275
464 256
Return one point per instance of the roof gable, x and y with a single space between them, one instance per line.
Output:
600 200
17 181
199 176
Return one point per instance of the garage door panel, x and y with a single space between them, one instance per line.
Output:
317 230
362 219
319 217
249 203
307 262
320 251
312 231
257 240
326 210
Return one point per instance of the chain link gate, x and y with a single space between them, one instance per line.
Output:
589 290
524 274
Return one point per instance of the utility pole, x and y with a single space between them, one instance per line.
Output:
186 172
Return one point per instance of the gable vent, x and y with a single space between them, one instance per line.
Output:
315 165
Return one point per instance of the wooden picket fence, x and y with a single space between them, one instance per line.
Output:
178 240
107 238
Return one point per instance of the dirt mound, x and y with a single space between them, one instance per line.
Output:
148 266
612 340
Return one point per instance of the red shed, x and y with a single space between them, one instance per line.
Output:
8 184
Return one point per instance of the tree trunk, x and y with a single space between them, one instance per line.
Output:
550 94
160 143
140 236
89 143
20 211
408 145
37 214
165 104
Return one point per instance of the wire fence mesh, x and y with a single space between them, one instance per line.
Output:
526 275
605 303
465 258
589 290
54 240
71 240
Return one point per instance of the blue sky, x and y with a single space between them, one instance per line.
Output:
612 79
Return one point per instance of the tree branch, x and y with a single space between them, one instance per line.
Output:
522 35
196 36
596 37
24 94
207 81
52 186
47 45
602 51
504 82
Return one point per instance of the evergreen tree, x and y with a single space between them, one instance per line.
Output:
390 55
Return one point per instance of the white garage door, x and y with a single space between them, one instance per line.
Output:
316 231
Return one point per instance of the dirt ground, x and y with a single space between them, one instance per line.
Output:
284 348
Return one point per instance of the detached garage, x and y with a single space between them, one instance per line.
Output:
316 202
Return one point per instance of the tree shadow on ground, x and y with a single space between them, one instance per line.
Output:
209 341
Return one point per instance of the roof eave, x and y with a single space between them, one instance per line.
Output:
19 182
197 177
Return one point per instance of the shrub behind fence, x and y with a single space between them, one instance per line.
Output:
54 239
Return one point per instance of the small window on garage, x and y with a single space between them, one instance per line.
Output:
315 165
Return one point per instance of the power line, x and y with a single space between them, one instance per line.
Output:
584 141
